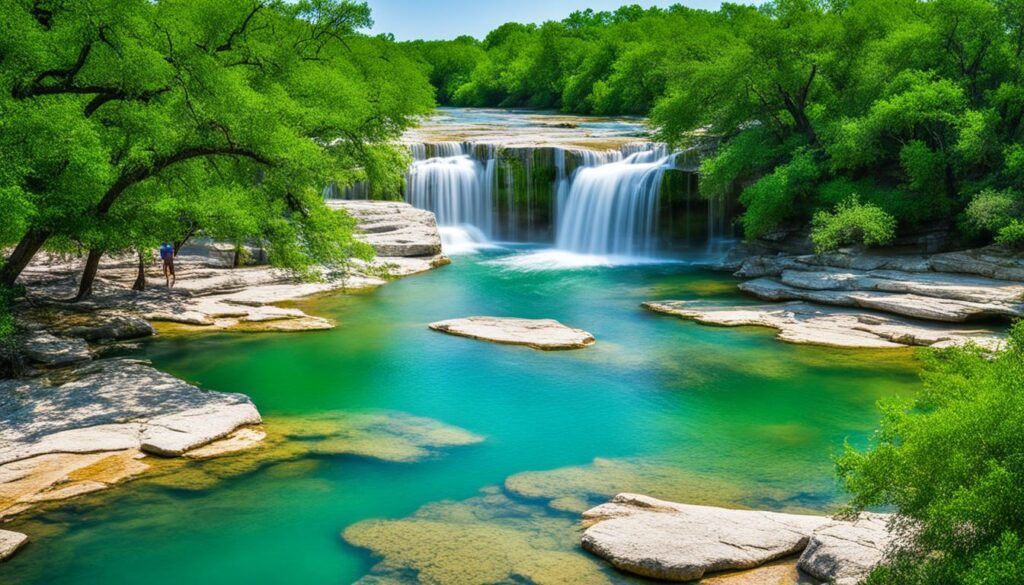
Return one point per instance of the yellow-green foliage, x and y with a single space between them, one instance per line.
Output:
852 222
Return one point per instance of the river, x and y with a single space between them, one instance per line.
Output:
658 405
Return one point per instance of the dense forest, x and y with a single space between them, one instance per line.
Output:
863 116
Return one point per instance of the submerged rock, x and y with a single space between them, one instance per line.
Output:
10 542
486 539
579 487
546 334
844 553
678 542
804 323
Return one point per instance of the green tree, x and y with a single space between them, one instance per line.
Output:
103 98
951 461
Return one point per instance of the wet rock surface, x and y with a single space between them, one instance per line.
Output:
546 334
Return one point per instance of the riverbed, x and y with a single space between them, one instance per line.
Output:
657 405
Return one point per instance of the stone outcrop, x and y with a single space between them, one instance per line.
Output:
678 542
546 334
100 418
393 228
871 300
805 323
945 298
844 553
10 542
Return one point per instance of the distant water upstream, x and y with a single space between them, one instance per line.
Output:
658 405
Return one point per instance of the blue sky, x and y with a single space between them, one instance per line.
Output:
447 19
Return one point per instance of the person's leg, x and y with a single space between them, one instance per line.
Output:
167 274
173 277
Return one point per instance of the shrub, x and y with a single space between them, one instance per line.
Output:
852 222
992 210
1012 234
951 461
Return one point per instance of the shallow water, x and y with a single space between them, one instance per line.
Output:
702 414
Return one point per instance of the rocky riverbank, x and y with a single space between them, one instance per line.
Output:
872 300
75 424
679 542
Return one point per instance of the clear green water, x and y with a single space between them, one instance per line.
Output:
755 419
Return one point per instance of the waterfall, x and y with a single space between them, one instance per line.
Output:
612 208
459 189
599 203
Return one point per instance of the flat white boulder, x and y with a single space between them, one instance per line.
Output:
10 542
546 334
679 542
110 405
844 553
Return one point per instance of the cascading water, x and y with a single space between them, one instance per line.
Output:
612 208
456 187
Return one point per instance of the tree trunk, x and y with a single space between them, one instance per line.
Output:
140 280
22 255
237 261
89 274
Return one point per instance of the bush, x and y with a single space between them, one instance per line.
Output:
951 461
852 222
1012 234
992 210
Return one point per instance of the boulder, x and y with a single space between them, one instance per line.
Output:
844 553
678 542
805 323
50 350
10 542
546 334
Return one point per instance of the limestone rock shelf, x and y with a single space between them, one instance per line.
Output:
872 300
81 429
805 323
545 334
679 542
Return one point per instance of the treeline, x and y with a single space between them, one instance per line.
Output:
867 116
128 123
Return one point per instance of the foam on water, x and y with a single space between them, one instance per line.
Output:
463 239
557 259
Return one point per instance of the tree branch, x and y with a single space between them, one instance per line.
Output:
240 30
139 174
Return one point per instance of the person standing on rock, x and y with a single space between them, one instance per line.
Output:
167 255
